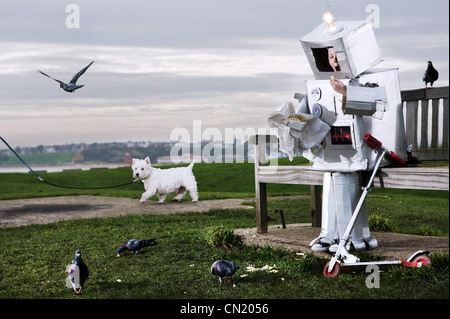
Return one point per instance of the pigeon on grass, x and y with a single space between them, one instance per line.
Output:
224 268
78 273
135 245
72 85
430 75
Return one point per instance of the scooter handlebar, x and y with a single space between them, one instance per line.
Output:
376 144
372 141
395 158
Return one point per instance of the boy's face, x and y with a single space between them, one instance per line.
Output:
333 60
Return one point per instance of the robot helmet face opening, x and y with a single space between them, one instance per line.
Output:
326 59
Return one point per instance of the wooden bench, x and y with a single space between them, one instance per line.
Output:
408 177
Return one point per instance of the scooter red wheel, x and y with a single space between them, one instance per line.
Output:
334 272
424 259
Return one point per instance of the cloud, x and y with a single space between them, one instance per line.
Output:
257 58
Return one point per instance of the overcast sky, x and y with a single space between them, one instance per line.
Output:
162 64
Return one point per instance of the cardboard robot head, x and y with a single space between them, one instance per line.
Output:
353 46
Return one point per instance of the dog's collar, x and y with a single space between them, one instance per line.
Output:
145 177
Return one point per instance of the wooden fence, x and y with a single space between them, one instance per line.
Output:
426 122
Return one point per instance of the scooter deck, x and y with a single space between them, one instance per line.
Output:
368 263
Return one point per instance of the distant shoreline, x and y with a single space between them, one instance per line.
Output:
59 168
40 168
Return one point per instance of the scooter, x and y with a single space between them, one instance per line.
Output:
342 259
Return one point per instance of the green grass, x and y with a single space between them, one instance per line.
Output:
215 181
39 158
34 258
419 213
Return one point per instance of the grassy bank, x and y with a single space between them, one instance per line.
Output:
39 158
215 181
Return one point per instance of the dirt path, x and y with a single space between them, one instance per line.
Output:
391 246
53 209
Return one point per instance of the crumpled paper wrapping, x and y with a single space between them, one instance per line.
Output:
296 137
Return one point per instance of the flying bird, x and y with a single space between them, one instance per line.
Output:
72 85
78 272
223 268
430 75
135 245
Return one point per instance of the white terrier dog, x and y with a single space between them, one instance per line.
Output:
161 182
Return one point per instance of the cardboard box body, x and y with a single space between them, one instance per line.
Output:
343 148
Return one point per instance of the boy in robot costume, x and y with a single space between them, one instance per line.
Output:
341 192
365 100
